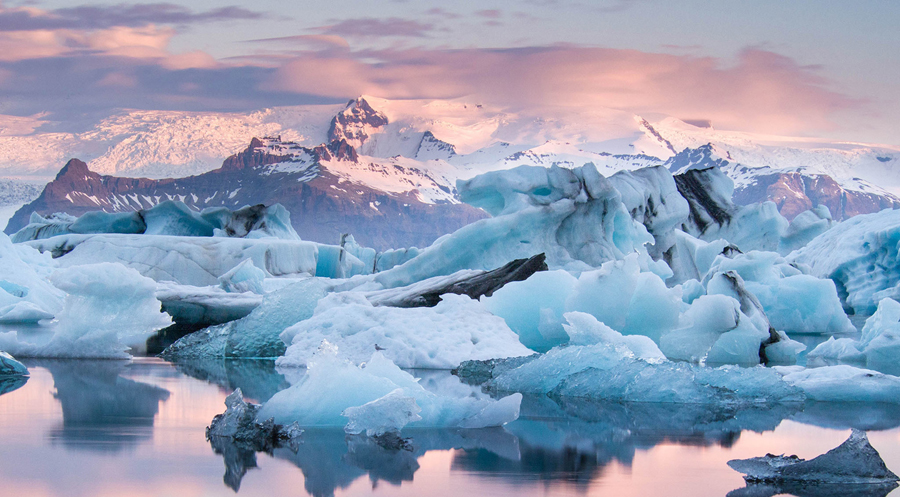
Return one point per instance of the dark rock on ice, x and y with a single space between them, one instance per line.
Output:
481 284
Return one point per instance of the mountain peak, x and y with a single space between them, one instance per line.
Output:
356 122
72 168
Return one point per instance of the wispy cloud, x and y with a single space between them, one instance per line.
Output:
377 27
91 17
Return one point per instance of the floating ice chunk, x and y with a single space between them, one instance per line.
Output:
879 343
456 329
708 317
854 461
23 312
11 367
173 218
196 261
106 303
333 385
844 383
240 423
792 301
846 252
204 306
389 413
837 349
25 293
534 308
803 228
584 329
600 372
245 277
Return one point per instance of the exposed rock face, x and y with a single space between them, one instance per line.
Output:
323 205
794 193
356 122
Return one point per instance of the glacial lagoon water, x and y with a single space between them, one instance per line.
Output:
136 428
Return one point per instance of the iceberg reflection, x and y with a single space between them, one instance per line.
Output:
102 411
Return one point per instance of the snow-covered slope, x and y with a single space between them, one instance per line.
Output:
422 147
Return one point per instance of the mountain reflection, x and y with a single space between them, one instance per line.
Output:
102 411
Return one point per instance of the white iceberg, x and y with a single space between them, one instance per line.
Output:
455 330
333 385
25 293
860 256
245 277
107 304
878 346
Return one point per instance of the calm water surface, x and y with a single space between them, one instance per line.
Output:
108 428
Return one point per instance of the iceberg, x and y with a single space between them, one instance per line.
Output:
878 346
245 277
26 295
256 335
333 385
843 383
197 261
794 302
440 337
240 423
204 306
11 367
853 462
170 217
106 304
860 256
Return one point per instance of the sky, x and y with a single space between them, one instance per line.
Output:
815 68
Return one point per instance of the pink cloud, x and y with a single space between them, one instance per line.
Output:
762 91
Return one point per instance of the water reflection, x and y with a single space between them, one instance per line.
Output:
555 440
102 411
814 490
11 383
257 379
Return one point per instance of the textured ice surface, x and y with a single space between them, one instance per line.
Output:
803 228
860 255
600 372
854 461
257 334
844 383
794 302
333 385
386 414
456 329
197 261
25 293
11 367
245 277
618 294
878 346
240 423
106 303
204 306
168 218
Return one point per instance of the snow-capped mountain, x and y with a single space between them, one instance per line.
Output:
328 190
417 150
